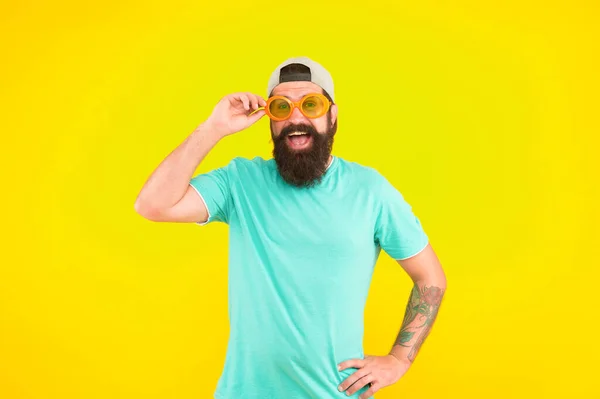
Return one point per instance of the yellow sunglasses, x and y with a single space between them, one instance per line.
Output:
312 105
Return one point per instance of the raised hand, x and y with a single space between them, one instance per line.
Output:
236 112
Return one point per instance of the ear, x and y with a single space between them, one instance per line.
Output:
333 113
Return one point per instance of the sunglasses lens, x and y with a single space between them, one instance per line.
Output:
313 106
279 108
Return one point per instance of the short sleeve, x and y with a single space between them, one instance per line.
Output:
397 230
214 189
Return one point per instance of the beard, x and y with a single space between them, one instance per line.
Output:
306 167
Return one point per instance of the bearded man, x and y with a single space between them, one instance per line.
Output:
305 231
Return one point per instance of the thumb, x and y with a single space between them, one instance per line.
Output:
256 116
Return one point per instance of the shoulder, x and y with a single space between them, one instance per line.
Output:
241 164
250 170
363 174
373 183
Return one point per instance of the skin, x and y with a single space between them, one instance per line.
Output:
295 91
422 308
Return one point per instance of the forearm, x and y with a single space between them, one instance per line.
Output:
421 312
169 181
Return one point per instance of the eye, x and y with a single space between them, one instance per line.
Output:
282 106
310 104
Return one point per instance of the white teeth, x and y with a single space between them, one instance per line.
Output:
296 134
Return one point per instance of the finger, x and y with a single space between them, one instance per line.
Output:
360 384
371 391
356 363
256 116
349 382
253 101
260 102
244 99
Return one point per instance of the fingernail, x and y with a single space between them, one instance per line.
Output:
340 388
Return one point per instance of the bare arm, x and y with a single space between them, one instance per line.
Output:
425 298
380 371
167 195
168 186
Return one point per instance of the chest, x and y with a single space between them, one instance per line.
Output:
310 223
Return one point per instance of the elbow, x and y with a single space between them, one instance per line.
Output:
147 211
439 280
436 279
443 284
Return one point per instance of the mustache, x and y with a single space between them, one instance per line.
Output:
297 128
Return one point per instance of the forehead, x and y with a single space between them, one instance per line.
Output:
296 90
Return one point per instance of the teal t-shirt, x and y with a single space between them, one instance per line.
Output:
300 266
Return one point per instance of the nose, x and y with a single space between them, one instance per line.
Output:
297 117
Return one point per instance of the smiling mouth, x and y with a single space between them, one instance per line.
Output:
299 140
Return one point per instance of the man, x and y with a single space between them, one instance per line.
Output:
306 229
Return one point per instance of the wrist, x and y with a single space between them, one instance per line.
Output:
402 358
208 131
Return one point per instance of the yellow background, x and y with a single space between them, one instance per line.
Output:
485 116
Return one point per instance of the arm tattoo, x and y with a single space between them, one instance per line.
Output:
421 311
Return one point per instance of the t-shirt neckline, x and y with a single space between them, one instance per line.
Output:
330 163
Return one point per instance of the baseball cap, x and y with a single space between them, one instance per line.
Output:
316 74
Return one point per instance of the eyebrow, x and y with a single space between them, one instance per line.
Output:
298 97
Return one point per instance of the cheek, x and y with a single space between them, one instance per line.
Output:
320 124
276 128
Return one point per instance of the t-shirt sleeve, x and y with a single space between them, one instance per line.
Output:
215 191
397 230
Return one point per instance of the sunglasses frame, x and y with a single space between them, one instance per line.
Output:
296 104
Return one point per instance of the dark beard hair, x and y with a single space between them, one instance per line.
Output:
303 168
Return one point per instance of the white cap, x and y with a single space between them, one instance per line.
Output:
317 74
